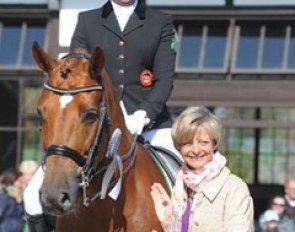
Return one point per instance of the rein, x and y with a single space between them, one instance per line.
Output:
89 170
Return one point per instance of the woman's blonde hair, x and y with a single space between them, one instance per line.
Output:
190 120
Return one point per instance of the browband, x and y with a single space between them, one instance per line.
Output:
75 90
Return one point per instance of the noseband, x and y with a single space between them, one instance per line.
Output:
89 170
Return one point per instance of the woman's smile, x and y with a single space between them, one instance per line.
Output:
195 157
197 153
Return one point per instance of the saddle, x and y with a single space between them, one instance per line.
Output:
168 162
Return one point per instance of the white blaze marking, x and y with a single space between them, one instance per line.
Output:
64 100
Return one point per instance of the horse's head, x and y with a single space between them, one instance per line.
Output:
72 107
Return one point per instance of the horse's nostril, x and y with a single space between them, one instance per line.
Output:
65 200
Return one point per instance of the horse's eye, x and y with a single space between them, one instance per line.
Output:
90 116
40 117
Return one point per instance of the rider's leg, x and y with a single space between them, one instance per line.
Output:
161 138
37 222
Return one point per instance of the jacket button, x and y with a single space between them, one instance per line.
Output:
196 224
121 71
121 56
121 87
121 43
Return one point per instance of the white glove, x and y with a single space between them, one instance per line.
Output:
136 121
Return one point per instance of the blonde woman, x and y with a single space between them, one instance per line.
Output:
207 196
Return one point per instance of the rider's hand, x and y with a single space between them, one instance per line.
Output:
163 205
136 122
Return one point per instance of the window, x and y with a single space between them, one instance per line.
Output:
250 138
248 48
215 47
20 83
273 49
18 122
238 146
10 90
236 47
31 149
8 144
291 56
10 37
276 155
264 47
278 114
16 40
34 33
202 46
30 135
190 47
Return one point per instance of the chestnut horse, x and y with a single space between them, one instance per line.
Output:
97 177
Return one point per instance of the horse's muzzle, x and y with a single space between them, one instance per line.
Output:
58 201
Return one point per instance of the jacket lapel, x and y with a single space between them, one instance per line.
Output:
109 19
111 23
133 23
136 19
212 189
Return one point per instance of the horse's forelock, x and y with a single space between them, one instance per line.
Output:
70 63
65 69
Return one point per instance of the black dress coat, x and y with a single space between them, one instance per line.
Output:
145 44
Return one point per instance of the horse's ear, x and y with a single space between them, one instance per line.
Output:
42 59
96 62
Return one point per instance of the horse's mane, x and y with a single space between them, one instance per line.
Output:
113 100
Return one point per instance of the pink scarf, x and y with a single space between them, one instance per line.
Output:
196 181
